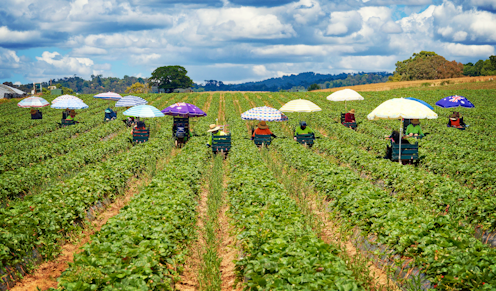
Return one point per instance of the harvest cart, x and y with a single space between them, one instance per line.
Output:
306 139
262 139
221 144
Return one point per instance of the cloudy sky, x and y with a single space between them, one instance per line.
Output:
236 40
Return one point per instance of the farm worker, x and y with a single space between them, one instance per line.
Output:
350 116
66 113
139 125
72 116
395 138
456 121
413 129
262 129
303 129
215 130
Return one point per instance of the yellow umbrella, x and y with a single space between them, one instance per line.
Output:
400 108
300 105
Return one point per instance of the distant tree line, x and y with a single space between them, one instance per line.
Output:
481 67
97 84
293 81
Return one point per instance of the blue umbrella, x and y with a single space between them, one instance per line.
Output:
130 101
70 103
421 101
143 111
454 101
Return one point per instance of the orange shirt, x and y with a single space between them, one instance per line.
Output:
455 123
261 132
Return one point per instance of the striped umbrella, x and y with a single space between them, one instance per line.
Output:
35 102
70 103
130 101
109 96
264 113
143 111
65 97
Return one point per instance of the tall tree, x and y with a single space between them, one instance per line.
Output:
426 66
171 77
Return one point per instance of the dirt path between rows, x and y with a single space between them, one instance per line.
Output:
46 275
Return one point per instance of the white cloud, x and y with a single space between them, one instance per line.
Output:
10 36
300 50
145 58
368 63
88 50
481 51
260 70
344 23
18 83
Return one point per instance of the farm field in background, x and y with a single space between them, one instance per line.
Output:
291 217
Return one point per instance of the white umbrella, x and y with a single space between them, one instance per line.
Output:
401 108
65 97
300 105
345 95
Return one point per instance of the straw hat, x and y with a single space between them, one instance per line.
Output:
262 125
213 128
415 121
72 112
453 117
33 111
352 111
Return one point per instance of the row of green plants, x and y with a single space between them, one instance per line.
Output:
47 130
209 275
28 179
41 221
60 142
466 204
445 250
463 155
23 127
144 247
279 250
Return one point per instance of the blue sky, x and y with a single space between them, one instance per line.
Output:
237 40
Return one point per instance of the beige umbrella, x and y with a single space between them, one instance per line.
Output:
300 105
345 95
401 108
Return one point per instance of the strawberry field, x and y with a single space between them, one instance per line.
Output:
336 216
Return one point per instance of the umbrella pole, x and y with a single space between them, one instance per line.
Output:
401 136
345 109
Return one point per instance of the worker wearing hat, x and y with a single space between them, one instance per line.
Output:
262 129
303 129
413 129
72 116
215 130
350 116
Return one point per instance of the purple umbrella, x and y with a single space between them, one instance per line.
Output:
454 101
184 110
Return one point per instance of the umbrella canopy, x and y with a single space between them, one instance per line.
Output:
454 101
70 103
300 105
130 101
143 111
35 102
401 108
183 109
109 96
345 95
421 101
65 97
264 113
